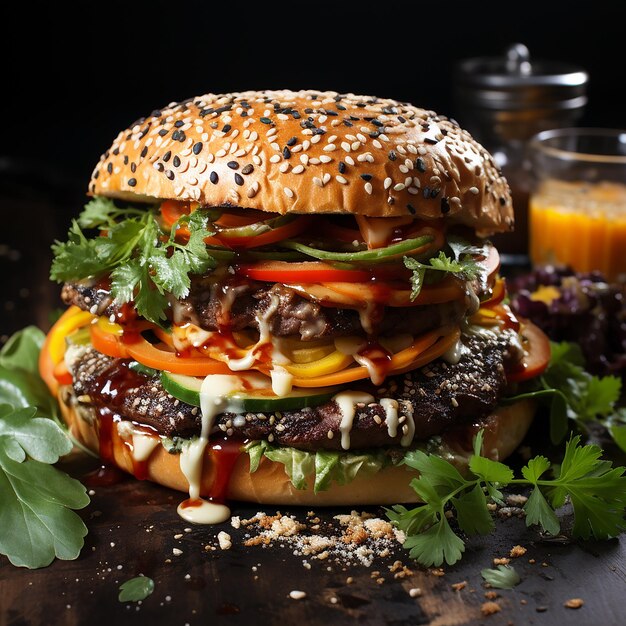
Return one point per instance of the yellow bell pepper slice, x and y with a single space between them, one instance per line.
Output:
329 364
70 321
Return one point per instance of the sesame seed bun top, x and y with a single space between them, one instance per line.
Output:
308 152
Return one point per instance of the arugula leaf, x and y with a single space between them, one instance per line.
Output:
462 265
596 489
135 589
504 577
145 263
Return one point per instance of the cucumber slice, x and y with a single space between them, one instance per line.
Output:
187 389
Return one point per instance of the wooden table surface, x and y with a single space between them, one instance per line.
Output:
134 528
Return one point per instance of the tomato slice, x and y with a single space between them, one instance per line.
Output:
172 210
306 272
536 354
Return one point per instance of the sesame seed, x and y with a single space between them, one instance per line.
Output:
288 192
214 178
298 169
265 120
341 179
366 176
474 190
387 183
233 165
247 169
318 181
398 187
330 147
368 188
286 153
274 158
349 160
132 182
239 179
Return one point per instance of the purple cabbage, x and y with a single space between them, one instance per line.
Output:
589 311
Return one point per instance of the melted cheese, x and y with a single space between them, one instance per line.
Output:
455 352
144 445
282 381
347 401
204 512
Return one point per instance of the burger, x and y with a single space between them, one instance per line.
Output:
274 296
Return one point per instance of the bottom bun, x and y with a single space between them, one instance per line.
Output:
505 428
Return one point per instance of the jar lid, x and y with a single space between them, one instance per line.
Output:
514 82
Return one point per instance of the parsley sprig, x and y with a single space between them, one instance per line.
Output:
574 394
596 490
461 264
145 263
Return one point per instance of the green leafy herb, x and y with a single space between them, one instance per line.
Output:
462 264
37 521
327 466
135 589
502 577
36 499
573 393
597 492
145 263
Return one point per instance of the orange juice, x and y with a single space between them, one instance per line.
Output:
580 224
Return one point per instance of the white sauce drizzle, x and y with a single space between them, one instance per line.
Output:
391 415
282 381
144 445
214 400
454 353
409 431
347 401
204 512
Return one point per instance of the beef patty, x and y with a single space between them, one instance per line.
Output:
435 397
212 307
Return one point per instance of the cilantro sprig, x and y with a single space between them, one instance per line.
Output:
145 263
596 490
461 264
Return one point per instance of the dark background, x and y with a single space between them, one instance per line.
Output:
72 78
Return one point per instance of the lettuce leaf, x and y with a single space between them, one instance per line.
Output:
326 466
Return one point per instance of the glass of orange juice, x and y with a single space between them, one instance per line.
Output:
578 205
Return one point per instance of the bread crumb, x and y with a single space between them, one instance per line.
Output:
574 603
235 521
532 561
349 580
459 586
176 551
517 551
491 595
415 592
502 561
224 540
437 572
297 595
516 499
489 608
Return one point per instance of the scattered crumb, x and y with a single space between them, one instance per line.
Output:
297 595
176 551
516 499
224 540
349 580
502 561
178 536
491 595
459 586
524 602
574 603
235 521
532 561
415 592
358 538
517 551
489 608
437 571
